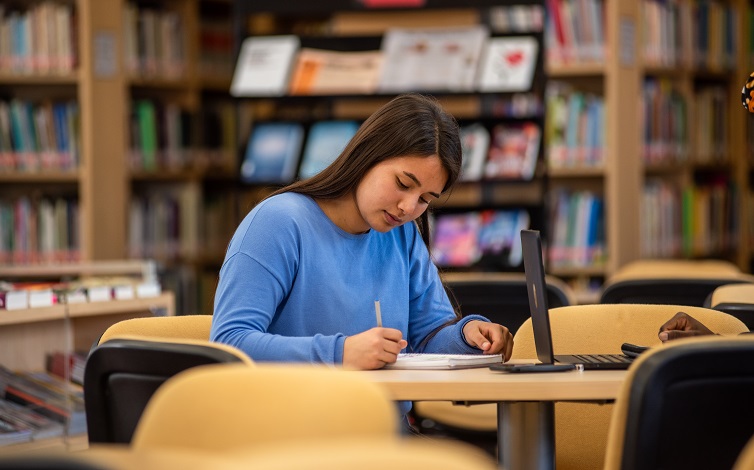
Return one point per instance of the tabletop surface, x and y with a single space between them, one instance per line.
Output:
483 384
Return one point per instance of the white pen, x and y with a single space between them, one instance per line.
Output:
378 313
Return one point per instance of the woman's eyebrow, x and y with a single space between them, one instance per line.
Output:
418 183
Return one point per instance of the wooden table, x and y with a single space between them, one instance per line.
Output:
525 402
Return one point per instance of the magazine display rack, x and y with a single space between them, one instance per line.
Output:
324 67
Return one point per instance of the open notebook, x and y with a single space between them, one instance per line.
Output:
444 361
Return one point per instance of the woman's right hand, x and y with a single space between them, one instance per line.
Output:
373 348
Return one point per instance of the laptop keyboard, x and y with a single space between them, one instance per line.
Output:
605 358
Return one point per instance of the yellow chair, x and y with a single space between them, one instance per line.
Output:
673 282
736 300
133 358
745 460
370 454
501 297
228 407
177 327
685 406
581 428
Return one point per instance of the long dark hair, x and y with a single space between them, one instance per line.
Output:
409 124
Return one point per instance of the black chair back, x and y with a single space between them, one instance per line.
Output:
121 375
690 406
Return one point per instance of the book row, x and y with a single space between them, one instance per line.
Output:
468 238
677 33
697 221
279 152
164 136
38 39
575 127
39 230
154 42
175 221
24 295
39 405
460 59
577 222
39 136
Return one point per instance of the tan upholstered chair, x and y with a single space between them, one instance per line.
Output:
370 454
133 358
581 428
745 460
685 406
178 327
228 407
673 282
736 300
502 298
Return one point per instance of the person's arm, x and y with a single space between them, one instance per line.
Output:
255 279
432 315
682 325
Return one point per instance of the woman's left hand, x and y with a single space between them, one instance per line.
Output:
489 337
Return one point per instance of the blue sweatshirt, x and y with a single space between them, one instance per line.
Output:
294 285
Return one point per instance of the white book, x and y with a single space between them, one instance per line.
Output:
508 64
431 59
444 361
264 66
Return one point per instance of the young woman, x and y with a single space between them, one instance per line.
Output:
305 266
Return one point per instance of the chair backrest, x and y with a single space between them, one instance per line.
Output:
685 406
501 297
745 460
370 454
177 327
581 428
736 300
672 282
230 407
134 358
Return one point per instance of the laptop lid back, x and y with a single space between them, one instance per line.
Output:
531 246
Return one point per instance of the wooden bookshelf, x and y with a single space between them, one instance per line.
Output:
26 335
104 86
620 80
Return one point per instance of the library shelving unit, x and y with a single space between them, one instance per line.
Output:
345 26
673 155
80 191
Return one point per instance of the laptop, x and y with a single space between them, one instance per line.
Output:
534 268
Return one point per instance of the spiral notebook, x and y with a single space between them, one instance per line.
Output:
444 361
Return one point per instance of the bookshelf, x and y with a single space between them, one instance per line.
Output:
169 58
343 28
23 331
674 161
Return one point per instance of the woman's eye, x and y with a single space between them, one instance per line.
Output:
424 201
401 185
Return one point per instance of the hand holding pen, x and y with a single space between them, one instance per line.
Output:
375 347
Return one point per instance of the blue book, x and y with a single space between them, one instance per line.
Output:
325 142
272 153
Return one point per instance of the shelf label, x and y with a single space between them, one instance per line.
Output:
627 42
105 64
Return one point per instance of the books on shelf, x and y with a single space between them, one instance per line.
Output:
513 151
464 239
324 72
455 239
324 142
475 141
508 64
264 65
429 361
272 153
431 59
